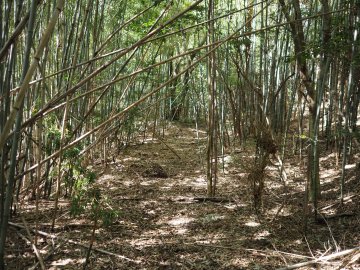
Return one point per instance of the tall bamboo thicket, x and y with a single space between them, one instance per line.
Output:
82 77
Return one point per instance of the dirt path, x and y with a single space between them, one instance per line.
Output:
162 225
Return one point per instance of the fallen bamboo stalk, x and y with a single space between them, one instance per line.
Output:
33 245
168 146
75 243
213 199
321 259
49 254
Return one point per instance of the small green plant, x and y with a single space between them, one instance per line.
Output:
53 138
87 200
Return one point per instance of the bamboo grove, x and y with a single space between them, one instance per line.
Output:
79 79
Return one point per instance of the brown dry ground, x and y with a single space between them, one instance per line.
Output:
161 225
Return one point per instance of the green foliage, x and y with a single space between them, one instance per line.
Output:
72 153
207 219
314 47
348 133
157 2
53 139
238 43
76 176
149 23
199 9
87 199
289 59
189 17
85 195
129 124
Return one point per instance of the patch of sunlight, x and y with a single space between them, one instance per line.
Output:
226 160
248 156
146 183
348 199
151 212
274 184
106 177
232 206
127 183
169 265
330 212
262 234
180 221
329 172
327 157
197 182
182 138
252 224
145 204
130 159
181 231
327 180
243 263
210 238
350 166
198 130
274 210
200 181
187 180
156 233
145 242
150 140
63 262
10 256
170 184
297 242
285 212
211 218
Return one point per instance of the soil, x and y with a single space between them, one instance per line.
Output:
166 221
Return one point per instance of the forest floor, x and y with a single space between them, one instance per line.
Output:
164 220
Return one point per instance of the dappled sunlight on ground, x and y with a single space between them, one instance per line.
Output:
252 224
167 223
179 221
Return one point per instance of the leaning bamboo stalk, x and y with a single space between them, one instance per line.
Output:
52 105
66 112
116 80
33 244
93 105
70 241
244 34
133 105
102 46
25 85
139 43
112 129
17 112
12 39
322 259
